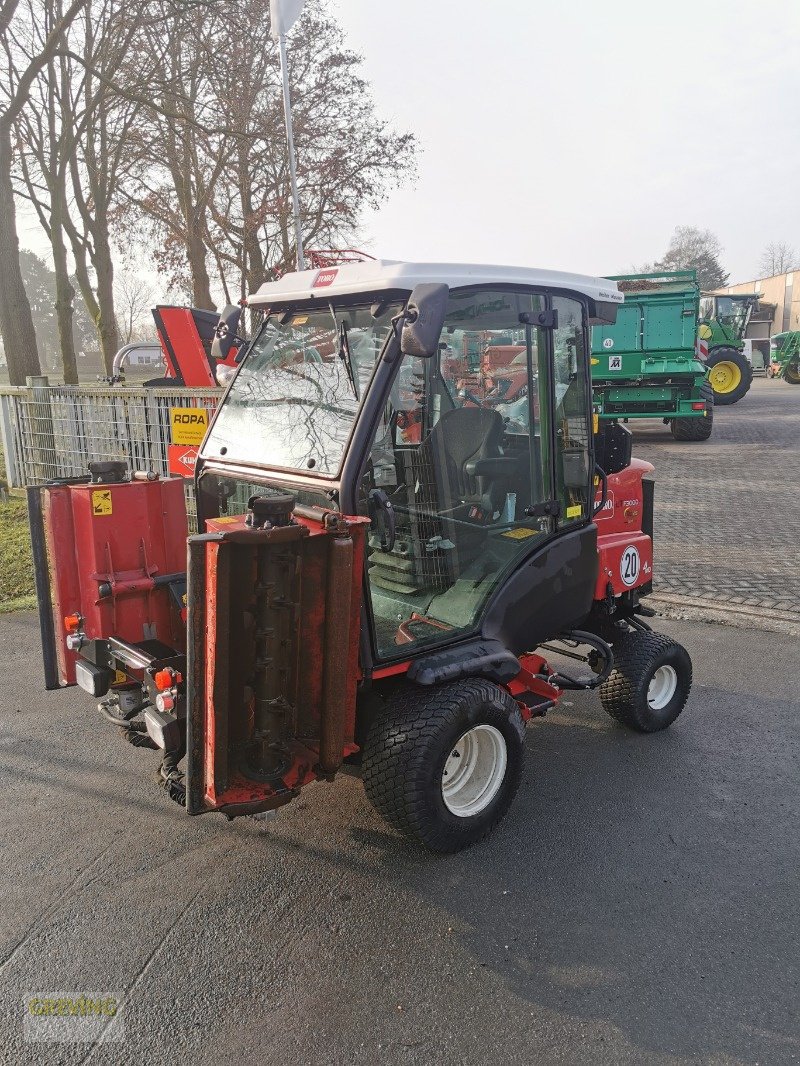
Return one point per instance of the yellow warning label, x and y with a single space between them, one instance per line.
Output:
299 320
188 424
226 520
120 677
575 511
101 501
595 423
520 533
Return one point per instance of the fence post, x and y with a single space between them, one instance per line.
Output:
45 461
7 413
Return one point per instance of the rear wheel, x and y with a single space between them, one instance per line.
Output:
690 429
442 765
650 683
729 374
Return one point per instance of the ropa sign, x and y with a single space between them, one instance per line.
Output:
188 424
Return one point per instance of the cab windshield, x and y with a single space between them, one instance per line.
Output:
734 314
296 396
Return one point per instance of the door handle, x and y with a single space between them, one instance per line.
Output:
382 513
600 472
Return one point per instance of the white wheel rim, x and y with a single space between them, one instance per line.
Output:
662 687
474 771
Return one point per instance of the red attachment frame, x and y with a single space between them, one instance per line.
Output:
108 546
320 258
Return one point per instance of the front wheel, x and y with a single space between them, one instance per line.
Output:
729 374
650 683
791 374
443 765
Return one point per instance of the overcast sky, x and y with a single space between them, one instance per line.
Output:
576 135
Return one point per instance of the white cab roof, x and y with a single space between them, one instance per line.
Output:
379 274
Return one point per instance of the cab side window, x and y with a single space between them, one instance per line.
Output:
571 412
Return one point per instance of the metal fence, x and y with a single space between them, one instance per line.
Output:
55 431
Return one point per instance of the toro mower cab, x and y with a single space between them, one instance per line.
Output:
390 568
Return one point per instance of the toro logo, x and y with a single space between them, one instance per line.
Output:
325 277
607 509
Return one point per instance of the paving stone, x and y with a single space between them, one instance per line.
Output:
727 510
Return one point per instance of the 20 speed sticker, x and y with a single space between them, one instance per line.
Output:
629 565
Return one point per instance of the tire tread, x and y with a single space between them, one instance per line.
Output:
396 754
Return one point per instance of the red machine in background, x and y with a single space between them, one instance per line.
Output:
186 336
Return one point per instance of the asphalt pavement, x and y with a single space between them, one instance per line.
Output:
639 904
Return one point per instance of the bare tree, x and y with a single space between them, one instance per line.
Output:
216 187
25 54
696 249
778 258
134 298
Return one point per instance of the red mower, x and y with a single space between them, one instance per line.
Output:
405 601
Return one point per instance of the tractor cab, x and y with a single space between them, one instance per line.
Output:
459 491
730 311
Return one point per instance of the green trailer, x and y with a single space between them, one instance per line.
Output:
785 352
646 365
723 323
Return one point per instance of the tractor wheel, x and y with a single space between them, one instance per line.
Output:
442 765
729 374
696 428
650 683
792 374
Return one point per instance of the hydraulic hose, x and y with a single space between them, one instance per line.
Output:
579 636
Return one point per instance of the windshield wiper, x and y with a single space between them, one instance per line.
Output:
347 358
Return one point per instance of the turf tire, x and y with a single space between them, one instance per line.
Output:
408 745
636 658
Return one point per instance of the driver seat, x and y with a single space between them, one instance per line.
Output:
462 435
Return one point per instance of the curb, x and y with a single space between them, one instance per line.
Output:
738 616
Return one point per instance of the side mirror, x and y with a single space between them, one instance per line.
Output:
225 333
423 320
602 313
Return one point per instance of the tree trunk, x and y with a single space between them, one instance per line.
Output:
65 295
196 255
107 321
16 320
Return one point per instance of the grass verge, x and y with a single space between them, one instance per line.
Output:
16 567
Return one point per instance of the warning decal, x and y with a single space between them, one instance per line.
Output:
615 362
101 502
188 424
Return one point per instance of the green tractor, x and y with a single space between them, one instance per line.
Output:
723 324
785 352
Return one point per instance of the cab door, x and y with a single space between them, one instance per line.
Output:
481 457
